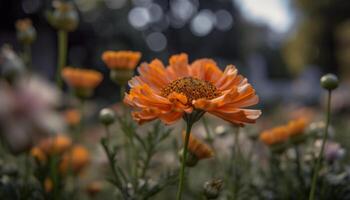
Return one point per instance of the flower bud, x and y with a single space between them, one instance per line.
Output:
64 17
121 76
26 33
329 81
191 159
212 188
107 116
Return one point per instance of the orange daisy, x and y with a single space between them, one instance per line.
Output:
121 59
282 133
181 88
81 78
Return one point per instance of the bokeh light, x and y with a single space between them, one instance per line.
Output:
156 41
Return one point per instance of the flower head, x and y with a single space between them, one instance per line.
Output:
72 117
121 59
282 133
76 158
83 81
55 145
169 92
81 78
38 154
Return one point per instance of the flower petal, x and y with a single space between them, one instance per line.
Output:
178 66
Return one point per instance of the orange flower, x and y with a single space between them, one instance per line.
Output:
23 24
77 158
55 145
48 184
198 148
72 117
276 135
168 93
282 133
297 126
121 59
38 154
81 78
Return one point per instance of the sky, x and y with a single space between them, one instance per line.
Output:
275 13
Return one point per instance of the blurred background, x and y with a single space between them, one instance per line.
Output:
283 46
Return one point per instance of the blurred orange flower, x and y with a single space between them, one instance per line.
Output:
76 159
23 24
198 148
282 133
81 78
121 59
168 93
72 117
55 145
38 154
48 184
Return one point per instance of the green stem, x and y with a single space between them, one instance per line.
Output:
236 159
26 174
62 55
325 136
122 91
54 176
184 156
207 130
81 123
28 56
299 169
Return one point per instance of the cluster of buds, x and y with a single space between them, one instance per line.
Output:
277 137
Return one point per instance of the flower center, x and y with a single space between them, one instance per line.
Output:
192 88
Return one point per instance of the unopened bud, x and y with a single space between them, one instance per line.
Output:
212 188
191 159
64 17
107 116
329 81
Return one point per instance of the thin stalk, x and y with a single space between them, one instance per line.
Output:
207 130
299 169
62 55
319 159
54 176
81 123
26 174
184 156
28 56
237 156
